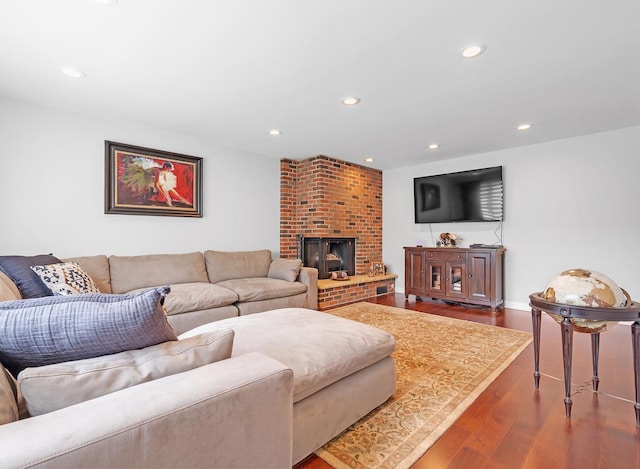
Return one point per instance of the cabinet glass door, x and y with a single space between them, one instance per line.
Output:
456 281
436 278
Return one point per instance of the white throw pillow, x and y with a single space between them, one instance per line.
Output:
51 387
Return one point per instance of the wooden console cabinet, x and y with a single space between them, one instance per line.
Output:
464 275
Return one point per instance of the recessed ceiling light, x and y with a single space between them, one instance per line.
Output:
473 50
275 132
73 72
524 127
350 101
106 3
369 160
434 146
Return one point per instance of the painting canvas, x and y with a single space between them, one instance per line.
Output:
143 181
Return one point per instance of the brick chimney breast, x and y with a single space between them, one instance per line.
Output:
326 197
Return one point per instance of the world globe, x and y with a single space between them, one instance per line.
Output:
581 287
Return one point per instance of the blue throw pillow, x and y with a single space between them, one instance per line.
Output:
18 269
56 329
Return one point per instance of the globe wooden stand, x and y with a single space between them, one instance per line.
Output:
630 313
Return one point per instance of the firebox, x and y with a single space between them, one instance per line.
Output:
329 255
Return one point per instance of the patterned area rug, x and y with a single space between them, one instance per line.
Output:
442 366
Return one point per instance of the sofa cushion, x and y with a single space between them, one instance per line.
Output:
256 289
98 269
65 278
187 297
132 272
8 289
41 331
240 264
52 387
8 403
18 270
285 269
320 348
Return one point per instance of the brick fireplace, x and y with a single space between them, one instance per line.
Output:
322 197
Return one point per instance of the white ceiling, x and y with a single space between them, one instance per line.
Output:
229 71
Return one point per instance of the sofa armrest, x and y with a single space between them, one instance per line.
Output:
309 276
236 413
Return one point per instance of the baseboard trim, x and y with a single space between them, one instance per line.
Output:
517 305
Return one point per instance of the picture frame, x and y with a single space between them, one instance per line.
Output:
378 268
144 181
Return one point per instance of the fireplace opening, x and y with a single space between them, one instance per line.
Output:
329 255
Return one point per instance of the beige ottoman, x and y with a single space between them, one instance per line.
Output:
342 369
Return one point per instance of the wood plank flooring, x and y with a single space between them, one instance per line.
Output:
513 425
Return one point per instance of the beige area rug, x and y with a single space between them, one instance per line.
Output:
442 366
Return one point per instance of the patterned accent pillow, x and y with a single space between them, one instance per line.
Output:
55 329
66 278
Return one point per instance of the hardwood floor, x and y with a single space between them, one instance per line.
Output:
513 425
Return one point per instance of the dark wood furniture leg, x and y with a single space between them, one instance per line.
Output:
635 340
536 318
567 351
631 312
595 352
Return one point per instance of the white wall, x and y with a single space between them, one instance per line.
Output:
52 190
570 203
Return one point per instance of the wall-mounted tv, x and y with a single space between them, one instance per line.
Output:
465 196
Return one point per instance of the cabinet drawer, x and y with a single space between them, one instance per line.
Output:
445 255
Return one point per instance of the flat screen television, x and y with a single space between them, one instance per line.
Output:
466 196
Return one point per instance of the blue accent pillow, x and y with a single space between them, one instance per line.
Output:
55 329
18 269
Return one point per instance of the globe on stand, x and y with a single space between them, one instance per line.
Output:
581 287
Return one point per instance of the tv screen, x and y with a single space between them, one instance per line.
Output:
466 196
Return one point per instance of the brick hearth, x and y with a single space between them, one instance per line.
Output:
332 293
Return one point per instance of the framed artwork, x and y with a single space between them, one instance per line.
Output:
378 268
142 181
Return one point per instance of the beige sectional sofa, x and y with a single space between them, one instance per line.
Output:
230 414
208 286
292 377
